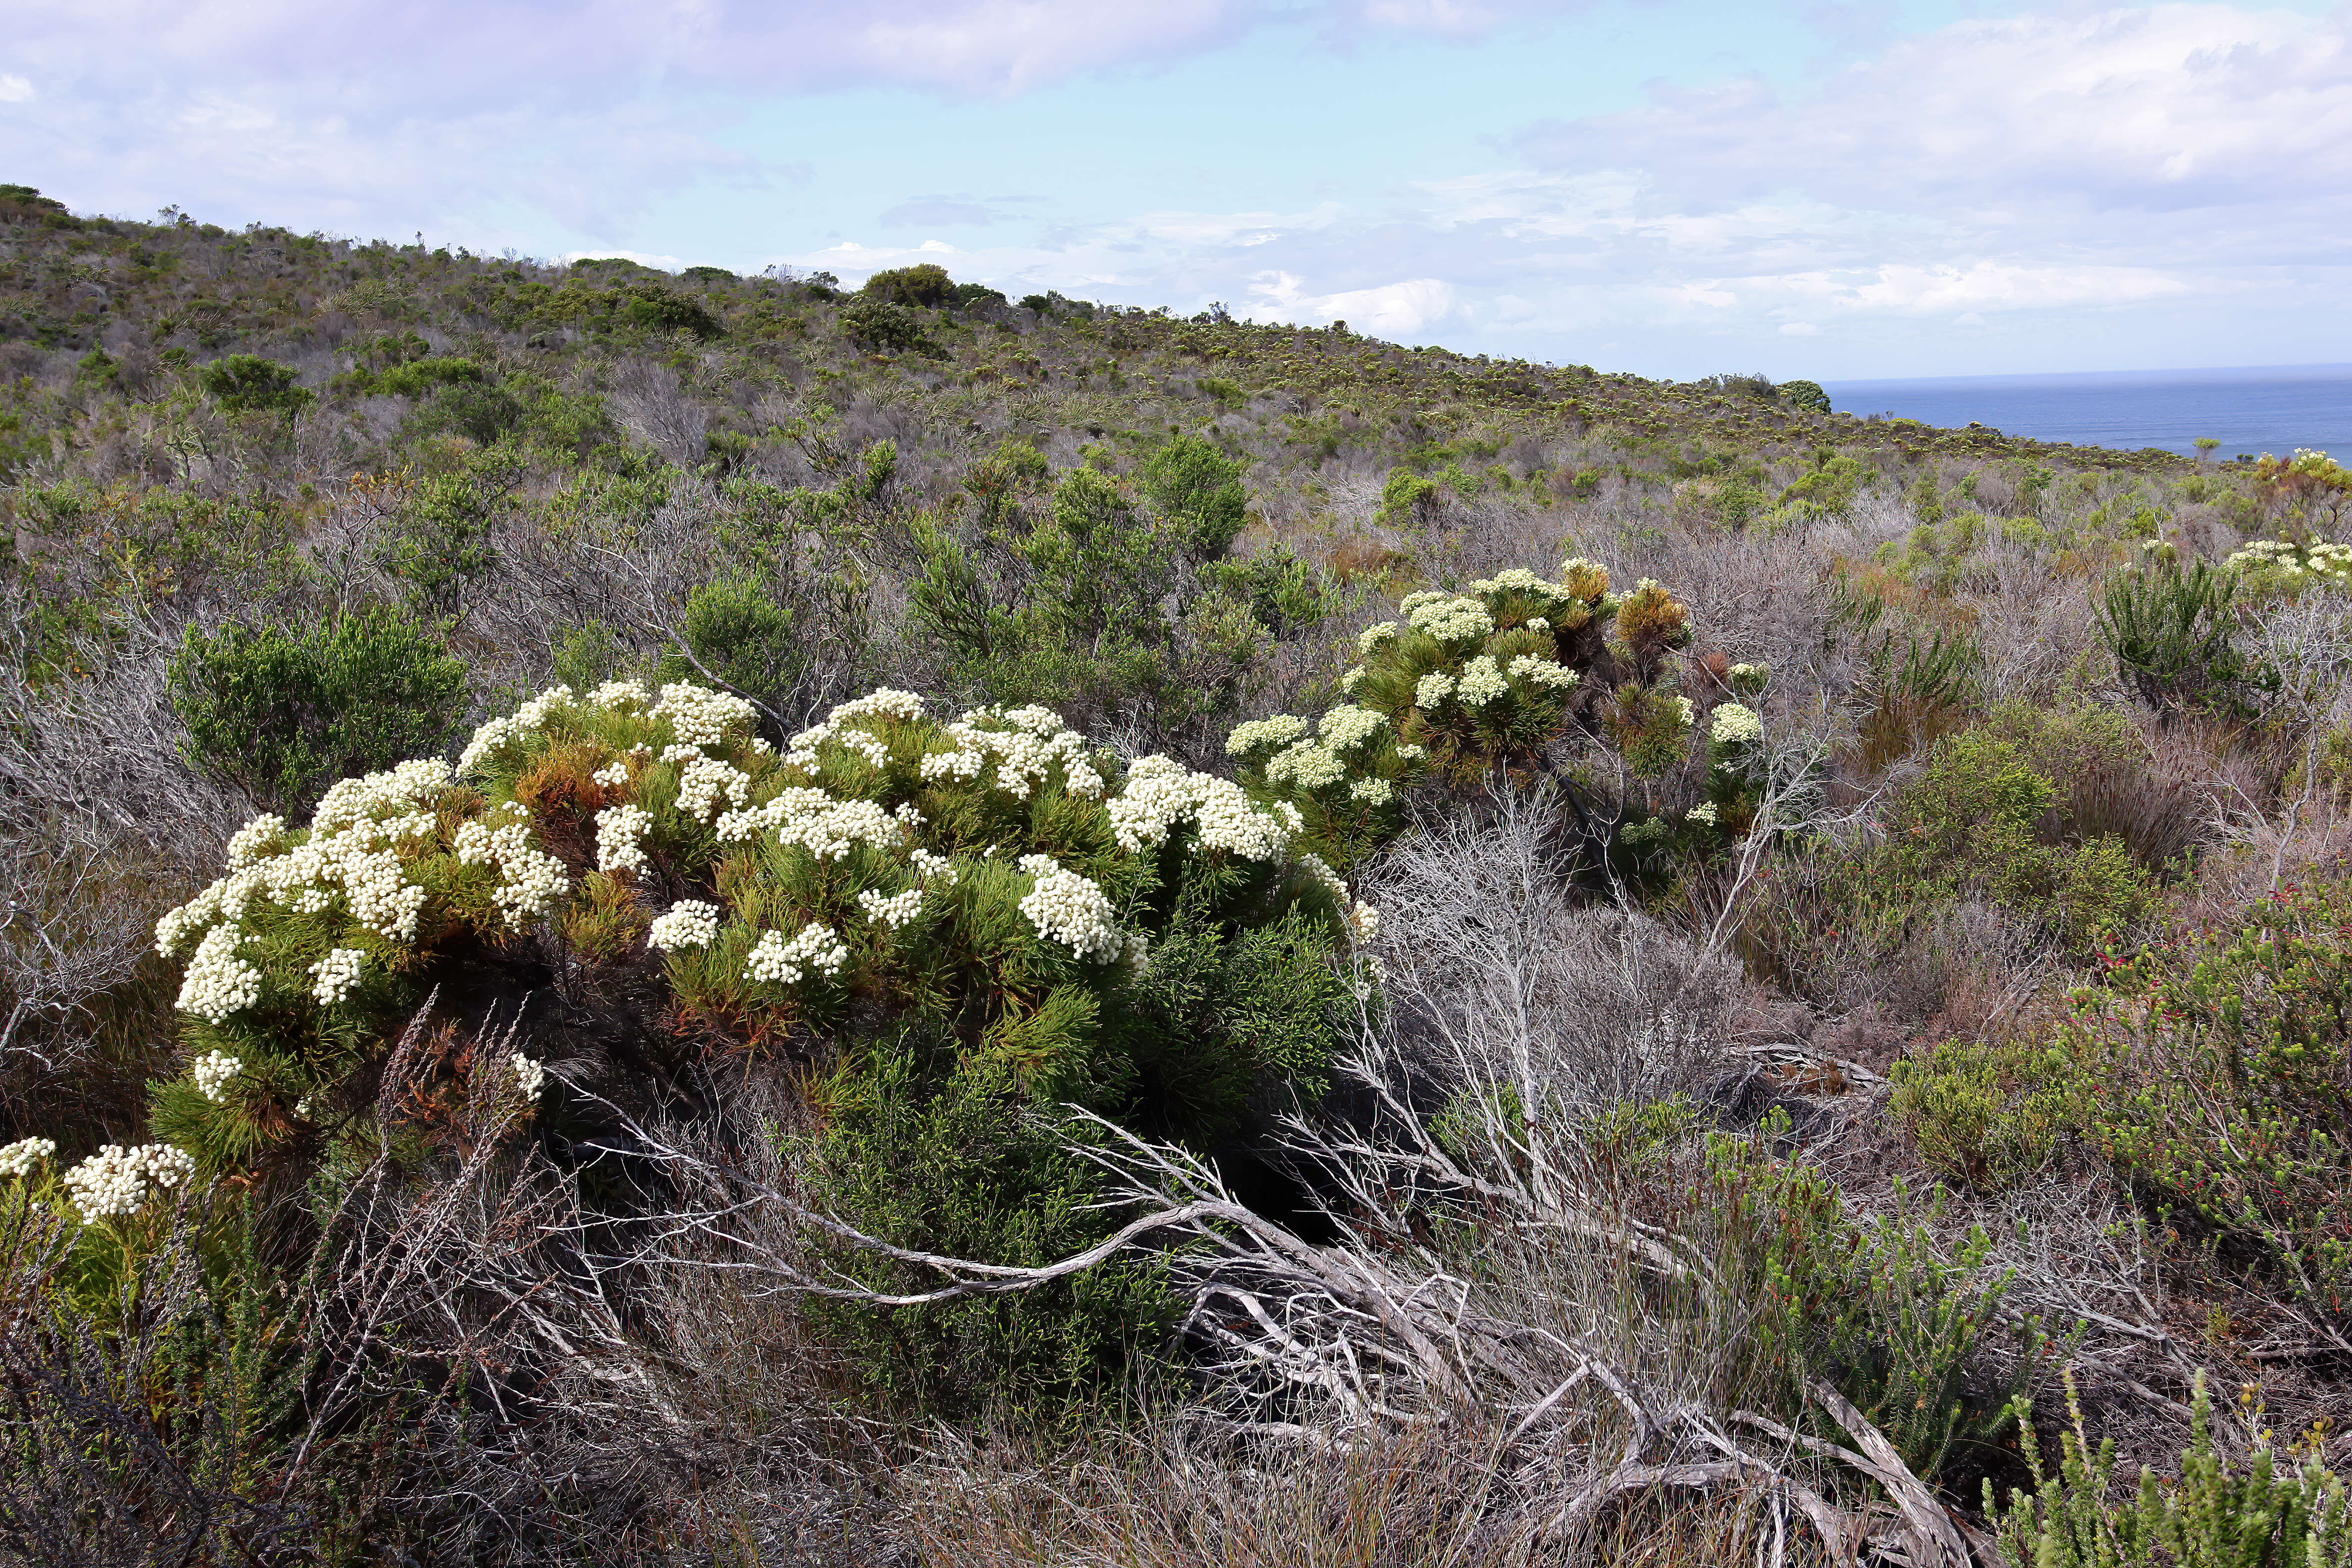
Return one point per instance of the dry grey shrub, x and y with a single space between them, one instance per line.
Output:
1499 973
652 402
102 826
2036 632
1765 598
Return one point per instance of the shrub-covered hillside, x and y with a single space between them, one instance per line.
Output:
690 920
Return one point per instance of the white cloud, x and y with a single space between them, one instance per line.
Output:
15 89
1389 311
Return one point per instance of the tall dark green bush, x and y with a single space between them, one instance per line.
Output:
926 283
2173 636
247 382
740 635
282 713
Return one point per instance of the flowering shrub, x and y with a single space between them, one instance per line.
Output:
2272 567
976 869
1472 681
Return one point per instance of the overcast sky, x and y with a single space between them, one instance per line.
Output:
1671 188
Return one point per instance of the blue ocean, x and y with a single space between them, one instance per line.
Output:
2274 408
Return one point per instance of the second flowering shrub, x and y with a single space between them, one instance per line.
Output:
1467 683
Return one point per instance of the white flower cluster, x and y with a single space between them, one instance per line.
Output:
246 844
1431 689
689 923
620 838
1071 910
886 702
2318 560
1162 793
18 1158
1446 617
489 737
614 775
1372 791
776 962
705 782
622 694
1413 752
1372 637
335 974
212 1072
821 824
351 850
1482 682
1735 723
700 717
1306 766
1686 711
893 909
530 880
530 1077
116 1179
930 867
1703 813
1026 746
1260 734
218 982
1536 624
1749 674
1348 726
1542 671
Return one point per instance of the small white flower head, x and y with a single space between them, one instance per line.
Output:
218 982
614 775
1372 637
1413 752
1735 723
1347 726
893 909
1689 713
1537 624
336 974
1482 682
212 1072
776 962
1431 689
936 871
691 923
1347 681
1452 620
1265 734
1372 791
20 1158
1071 910
118 1180
530 1077
1702 814
247 843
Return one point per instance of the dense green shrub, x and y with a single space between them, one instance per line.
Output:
2276 1507
1083 596
657 308
280 712
246 383
2211 1071
1805 395
741 635
926 283
884 327
1984 1116
2173 634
